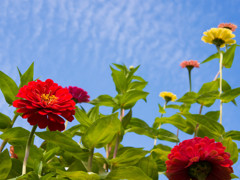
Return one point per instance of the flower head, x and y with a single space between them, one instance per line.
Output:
219 37
78 94
45 104
199 158
190 63
168 96
13 155
230 26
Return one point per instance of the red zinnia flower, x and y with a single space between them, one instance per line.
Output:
13 155
190 63
79 95
45 104
230 26
199 158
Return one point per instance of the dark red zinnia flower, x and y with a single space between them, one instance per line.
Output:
199 158
45 104
79 95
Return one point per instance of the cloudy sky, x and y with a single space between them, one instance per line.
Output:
73 42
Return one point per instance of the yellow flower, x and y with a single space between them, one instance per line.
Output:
219 37
168 96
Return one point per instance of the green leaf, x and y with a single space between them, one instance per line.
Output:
140 127
231 148
104 100
5 122
76 175
102 131
214 115
208 99
15 136
136 85
27 76
82 117
129 173
130 98
188 98
61 140
184 108
177 121
214 56
16 169
173 106
78 130
149 167
161 151
93 113
230 95
129 157
233 176
6 164
127 119
120 80
207 87
211 125
235 135
228 56
30 175
8 87
161 109
19 72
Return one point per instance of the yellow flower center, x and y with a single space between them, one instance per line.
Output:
48 98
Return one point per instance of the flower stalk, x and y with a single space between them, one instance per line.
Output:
220 82
118 140
90 159
189 76
164 107
24 168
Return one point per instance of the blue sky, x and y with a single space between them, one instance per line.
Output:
73 42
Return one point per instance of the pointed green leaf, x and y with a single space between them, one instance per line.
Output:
16 136
149 167
161 109
93 113
120 80
5 122
228 56
30 175
231 148
27 76
211 125
230 95
6 164
61 140
8 87
214 56
76 175
129 173
129 157
173 106
102 131
214 115
136 85
235 135
188 98
233 176
130 98
127 119
82 117
208 98
104 100
207 87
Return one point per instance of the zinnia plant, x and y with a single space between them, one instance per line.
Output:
209 153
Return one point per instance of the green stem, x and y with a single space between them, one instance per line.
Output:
164 107
190 81
90 158
221 74
118 140
5 141
24 168
197 126
66 123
